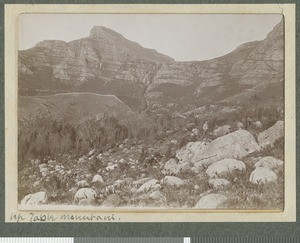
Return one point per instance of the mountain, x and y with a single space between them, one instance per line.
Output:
105 62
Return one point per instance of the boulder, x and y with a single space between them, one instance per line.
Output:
35 199
92 152
158 197
112 200
269 162
172 181
258 124
37 184
141 181
262 175
224 167
111 167
219 183
147 186
269 136
186 153
221 131
97 178
211 201
171 167
82 183
236 145
85 193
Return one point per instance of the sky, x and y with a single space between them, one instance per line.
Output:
184 37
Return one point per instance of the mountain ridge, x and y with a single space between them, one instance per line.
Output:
106 62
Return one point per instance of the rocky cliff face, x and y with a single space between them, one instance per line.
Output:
107 63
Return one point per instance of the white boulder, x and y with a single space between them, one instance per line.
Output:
34 199
224 167
269 162
211 201
221 131
219 183
111 167
186 153
172 181
235 145
97 178
82 183
147 186
262 175
269 136
85 193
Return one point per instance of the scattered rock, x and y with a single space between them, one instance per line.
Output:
269 136
36 184
35 199
171 167
85 193
269 162
224 167
111 167
236 145
211 201
219 183
159 198
141 181
221 131
147 186
82 183
92 152
258 124
172 181
262 175
186 153
97 178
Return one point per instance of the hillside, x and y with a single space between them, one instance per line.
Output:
107 63
72 105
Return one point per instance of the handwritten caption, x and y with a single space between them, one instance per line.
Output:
49 217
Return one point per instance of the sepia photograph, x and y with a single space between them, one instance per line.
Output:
151 111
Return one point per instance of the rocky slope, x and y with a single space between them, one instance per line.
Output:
107 63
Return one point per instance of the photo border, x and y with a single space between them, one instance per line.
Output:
289 143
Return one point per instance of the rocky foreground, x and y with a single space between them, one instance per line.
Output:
235 170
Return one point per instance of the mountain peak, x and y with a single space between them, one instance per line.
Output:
100 31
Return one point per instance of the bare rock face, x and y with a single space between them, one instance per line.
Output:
269 162
269 136
265 60
105 60
211 201
35 199
225 167
235 145
262 175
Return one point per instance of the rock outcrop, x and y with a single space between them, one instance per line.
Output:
271 135
235 145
